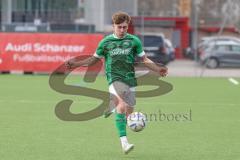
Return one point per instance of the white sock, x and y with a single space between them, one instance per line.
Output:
123 140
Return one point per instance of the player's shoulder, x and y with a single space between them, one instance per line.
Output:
107 38
132 36
104 40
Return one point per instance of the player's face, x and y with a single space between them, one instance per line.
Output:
120 29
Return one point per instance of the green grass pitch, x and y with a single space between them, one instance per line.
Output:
207 127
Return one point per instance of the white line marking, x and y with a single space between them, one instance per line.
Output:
141 73
233 81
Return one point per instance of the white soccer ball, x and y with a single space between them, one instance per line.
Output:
136 121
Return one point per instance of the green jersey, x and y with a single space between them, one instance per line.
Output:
119 54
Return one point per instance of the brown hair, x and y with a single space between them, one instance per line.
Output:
120 17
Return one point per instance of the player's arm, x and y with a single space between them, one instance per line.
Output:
154 67
147 62
73 63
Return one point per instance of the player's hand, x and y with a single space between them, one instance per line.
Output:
163 71
70 64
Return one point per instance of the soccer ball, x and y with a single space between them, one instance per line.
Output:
136 121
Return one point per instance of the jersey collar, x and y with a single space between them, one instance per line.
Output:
114 36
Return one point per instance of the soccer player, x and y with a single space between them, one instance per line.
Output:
119 51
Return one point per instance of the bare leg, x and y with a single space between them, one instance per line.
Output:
129 110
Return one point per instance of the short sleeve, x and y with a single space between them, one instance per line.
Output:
139 48
99 51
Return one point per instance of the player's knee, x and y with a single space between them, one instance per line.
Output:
121 107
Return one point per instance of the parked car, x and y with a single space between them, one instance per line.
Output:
221 53
204 43
170 49
206 40
209 41
157 48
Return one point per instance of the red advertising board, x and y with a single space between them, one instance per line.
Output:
43 52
